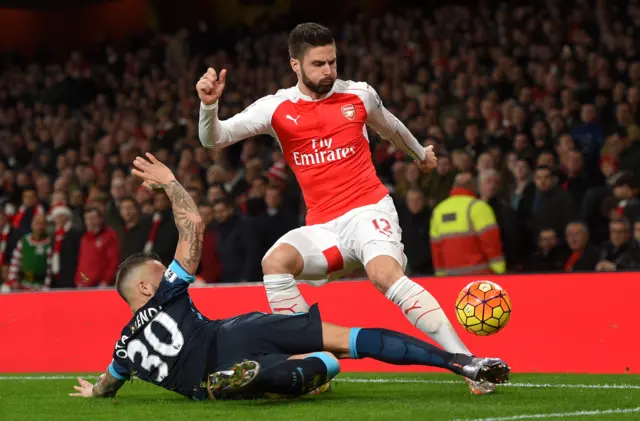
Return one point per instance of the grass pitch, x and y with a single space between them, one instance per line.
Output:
355 397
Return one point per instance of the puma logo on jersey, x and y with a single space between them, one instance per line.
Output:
295 120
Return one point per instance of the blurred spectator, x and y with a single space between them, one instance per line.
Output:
619 253
210 267
30 207
465 238
255 199
550 256
274 222
589 136
489 187
577 182
236 244
437 184
523 189
134 230
66 248
31 264
76 204
626 192
99 252
584 255
626 120
7 242
163 235
206 211
550 206
591 209
415 216
629 152
113 212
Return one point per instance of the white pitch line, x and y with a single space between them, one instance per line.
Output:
46 377
391 381
557 415
518 385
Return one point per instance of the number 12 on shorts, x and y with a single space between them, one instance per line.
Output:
382 226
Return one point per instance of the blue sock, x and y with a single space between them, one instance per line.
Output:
399 349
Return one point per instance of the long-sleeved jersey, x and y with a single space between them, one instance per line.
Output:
324 141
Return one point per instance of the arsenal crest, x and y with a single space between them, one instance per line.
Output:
349 111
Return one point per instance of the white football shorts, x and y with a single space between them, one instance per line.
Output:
347 243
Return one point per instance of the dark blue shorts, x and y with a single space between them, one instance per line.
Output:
267 338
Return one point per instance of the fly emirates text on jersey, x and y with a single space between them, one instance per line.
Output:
322 153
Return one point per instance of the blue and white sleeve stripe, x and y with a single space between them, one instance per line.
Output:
177 268
117 371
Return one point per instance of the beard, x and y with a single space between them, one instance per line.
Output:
320 88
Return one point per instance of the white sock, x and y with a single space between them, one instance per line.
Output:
283 294
424 312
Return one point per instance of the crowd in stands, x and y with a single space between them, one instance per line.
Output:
540 103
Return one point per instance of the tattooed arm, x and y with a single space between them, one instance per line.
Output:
190 226
185 211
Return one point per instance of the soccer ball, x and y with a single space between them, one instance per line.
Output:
483 308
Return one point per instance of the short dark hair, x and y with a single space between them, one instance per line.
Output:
128 198
262 178
129 264
544 167
308 35
227 201
626 179
132 200
94 209
205 203
274 186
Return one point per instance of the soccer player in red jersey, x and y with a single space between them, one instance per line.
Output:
320 125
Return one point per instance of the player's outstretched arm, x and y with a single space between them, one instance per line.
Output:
106 387
185 212
390 128
215 133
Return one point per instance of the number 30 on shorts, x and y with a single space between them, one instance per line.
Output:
382 226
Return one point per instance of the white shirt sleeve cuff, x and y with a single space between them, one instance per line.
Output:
209 107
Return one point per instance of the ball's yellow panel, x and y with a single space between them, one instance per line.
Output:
469 310
493 322
485 286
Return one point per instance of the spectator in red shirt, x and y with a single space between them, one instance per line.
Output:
99 252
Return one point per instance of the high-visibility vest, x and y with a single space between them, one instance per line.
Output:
465 238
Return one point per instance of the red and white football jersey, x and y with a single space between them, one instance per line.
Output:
324 141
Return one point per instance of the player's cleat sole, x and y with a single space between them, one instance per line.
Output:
480 388
224 384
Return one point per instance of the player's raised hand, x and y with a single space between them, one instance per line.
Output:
153 172
210 86
85 390
430 160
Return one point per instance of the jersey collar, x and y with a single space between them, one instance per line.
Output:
304 97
